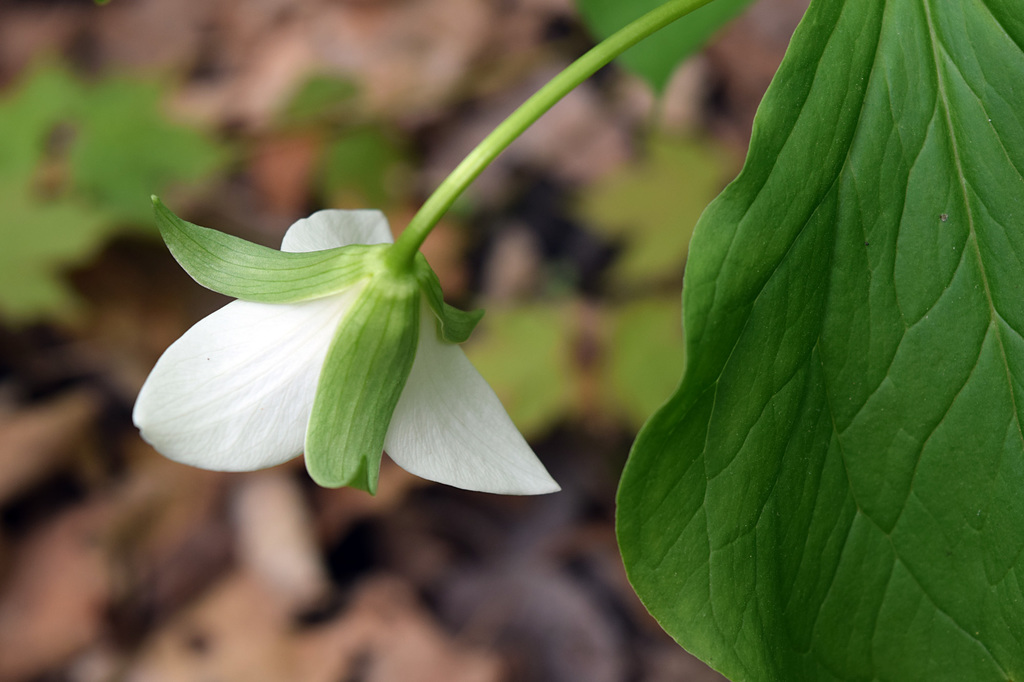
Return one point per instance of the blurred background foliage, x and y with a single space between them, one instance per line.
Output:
656 58
89 152
77 163
246 115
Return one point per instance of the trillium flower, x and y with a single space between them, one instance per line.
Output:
331 351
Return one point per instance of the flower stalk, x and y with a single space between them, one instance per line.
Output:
403 252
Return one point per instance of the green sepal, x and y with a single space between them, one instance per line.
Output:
241 269
362 378
454 325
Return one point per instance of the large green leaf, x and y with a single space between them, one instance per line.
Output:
836 491
657 57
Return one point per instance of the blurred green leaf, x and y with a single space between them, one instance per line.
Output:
127 149
645 357
652 205
39 238
78 162
367 162
321 97
523 353
657 57
30 114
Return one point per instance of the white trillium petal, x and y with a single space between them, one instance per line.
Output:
333 228
235 392
450 427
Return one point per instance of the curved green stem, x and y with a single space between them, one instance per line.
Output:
404 250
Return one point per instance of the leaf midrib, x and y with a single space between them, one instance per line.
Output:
994 317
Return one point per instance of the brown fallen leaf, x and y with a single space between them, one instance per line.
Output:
282 168
276 537
243 632
338 510
408 58
169 540
513 268
53 601
35 441
405 643
545 623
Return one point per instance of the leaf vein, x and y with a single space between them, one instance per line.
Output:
967 204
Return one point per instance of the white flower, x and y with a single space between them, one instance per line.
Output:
239 391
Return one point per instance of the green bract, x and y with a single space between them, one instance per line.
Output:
241 269
836 491
333 351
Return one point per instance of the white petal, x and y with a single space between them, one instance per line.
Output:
333 228
450 427
235 392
